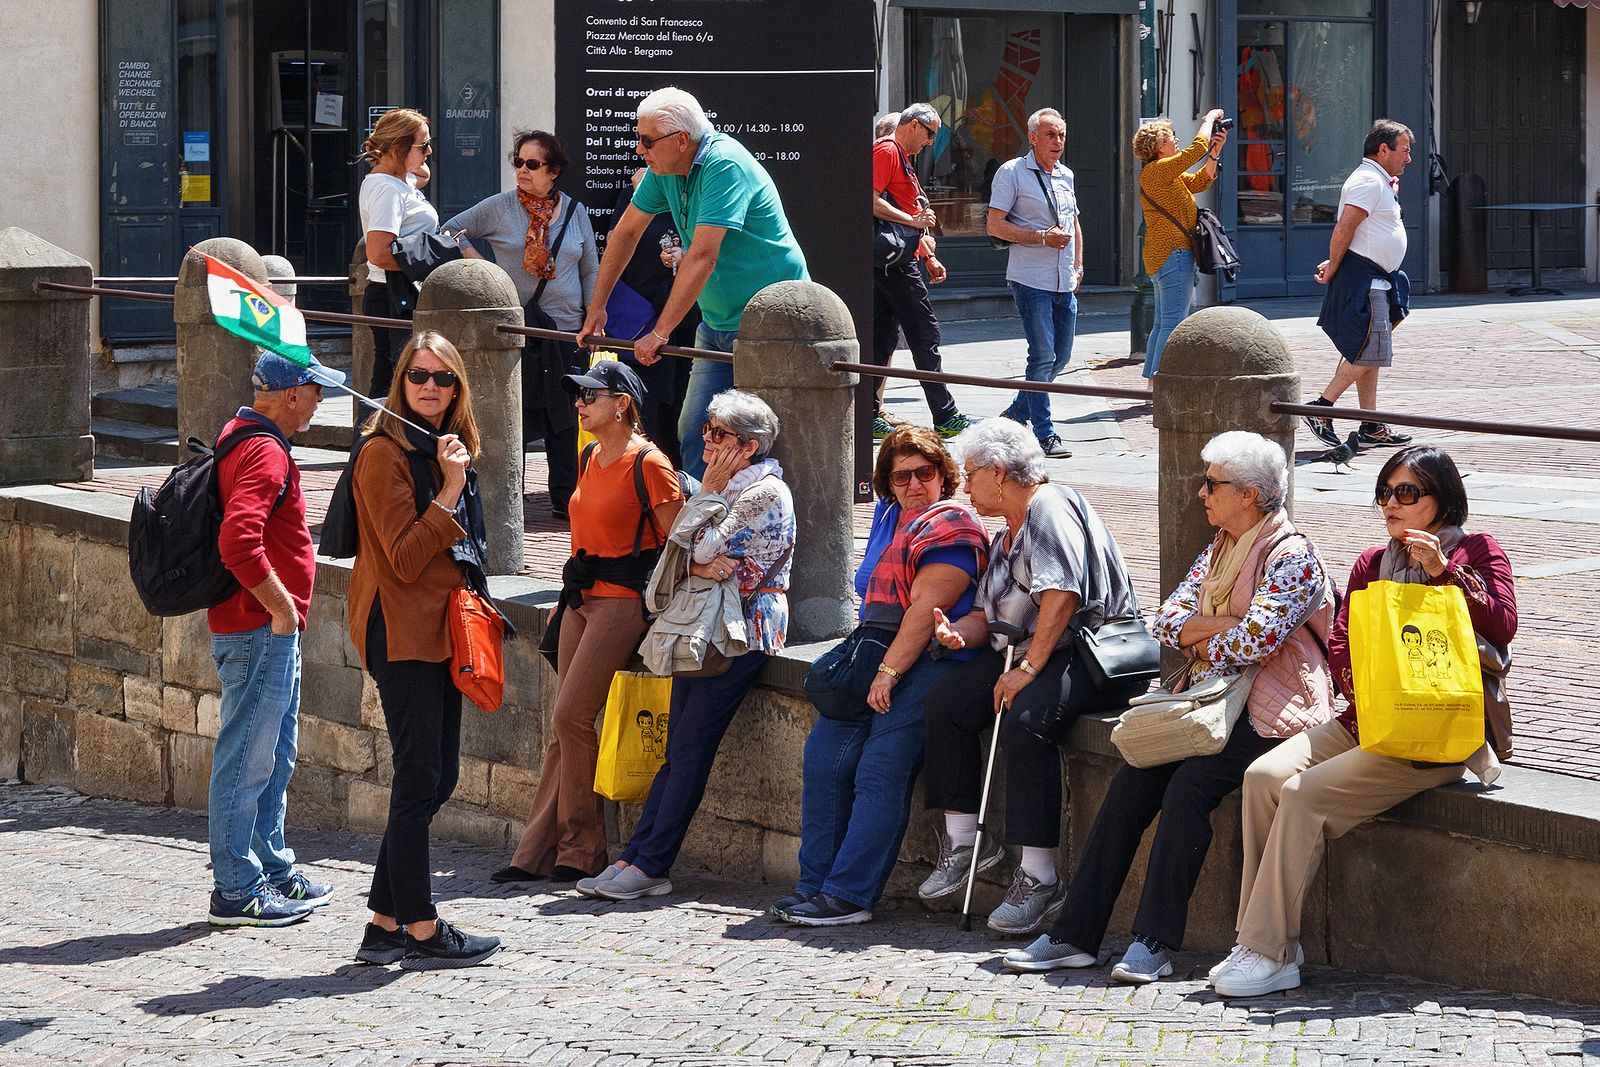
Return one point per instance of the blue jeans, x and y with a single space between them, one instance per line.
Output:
855 796
253 758
702 710
706 380
1049 321
1174 291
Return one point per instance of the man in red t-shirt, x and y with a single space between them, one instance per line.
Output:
899 294
255 642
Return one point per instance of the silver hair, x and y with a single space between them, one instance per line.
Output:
746 415
678 111
920 113
1044 113
886 124
1007 445
1250 461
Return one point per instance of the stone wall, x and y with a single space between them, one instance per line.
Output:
1461 885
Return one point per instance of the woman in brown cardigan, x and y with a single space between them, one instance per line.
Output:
404 571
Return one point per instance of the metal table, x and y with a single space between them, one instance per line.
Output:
1534 211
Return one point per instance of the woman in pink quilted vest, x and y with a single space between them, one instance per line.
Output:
1257 596
1323 784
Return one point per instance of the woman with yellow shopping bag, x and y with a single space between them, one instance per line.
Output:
1328 780
598 620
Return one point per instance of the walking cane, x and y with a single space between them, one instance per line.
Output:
1012 635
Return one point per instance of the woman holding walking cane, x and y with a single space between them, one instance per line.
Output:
1054 569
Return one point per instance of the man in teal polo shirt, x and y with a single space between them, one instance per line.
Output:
736 242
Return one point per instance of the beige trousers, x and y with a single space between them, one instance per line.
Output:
565 826
1318 783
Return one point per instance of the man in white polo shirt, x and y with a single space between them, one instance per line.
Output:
1368 293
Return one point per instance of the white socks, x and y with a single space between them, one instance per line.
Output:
1040 863
963 829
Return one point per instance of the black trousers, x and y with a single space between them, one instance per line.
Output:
386 343
422 709
962 711
1184 794
900 302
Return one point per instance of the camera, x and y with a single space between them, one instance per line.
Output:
1224 123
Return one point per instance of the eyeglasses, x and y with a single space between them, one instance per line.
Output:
648 143
1405 493
442 378
716 434
969 473
589 396
1211 483
425 147
925 473
533 165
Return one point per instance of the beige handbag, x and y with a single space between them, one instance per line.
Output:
1164 727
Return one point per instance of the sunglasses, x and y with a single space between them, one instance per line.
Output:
716 434
1405 492
425 147
929 130
1211 483
648 143
442 378
589 396
925 473
532 165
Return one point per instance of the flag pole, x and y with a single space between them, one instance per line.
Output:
373 403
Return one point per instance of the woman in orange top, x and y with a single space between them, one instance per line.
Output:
415 543
1166 193
600 618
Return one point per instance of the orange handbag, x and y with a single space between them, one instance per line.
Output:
477 656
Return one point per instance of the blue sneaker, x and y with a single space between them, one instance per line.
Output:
297 887
265 907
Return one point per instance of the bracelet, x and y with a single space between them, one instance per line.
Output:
658 337
1027 668
1041 237
884 668
448 511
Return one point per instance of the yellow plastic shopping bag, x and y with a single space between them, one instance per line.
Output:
584 436
1414 661
633 740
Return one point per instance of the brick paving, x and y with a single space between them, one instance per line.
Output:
105 959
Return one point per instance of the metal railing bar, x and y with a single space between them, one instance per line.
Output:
615 342
1431 422
172 280
992 383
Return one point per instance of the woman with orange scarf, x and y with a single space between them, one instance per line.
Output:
543 239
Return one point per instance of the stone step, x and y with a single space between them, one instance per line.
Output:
122 439
155 404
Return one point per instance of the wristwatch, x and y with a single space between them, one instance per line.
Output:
884 668
1027 668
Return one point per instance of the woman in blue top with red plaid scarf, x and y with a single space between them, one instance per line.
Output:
925 553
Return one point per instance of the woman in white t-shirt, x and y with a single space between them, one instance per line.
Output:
392 206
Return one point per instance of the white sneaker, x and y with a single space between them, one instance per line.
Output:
1252 975
1233 953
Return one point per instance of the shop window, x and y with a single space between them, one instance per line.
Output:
984 74
1324 9
1330 108
198 78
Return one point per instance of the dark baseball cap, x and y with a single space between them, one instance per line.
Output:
610 375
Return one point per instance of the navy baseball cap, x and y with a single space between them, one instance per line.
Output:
610 375
274 373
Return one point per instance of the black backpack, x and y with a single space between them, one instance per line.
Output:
173 555
340 538
688 485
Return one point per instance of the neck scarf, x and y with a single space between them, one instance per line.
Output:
749 476
1227 560
1396 565
535 256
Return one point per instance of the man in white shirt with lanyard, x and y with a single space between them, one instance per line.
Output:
1033 205
1367 291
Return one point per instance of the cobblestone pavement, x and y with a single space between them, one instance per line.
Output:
1487 358
105 958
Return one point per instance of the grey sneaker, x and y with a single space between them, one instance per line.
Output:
1046 954
950 873
630 884
588 887
1029 905
1140 966
1055 448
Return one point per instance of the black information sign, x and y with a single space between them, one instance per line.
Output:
791 82
466 131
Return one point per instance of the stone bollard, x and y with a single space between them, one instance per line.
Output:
278 267
1220 370
465 300
791 334
44 364
213 365
360 336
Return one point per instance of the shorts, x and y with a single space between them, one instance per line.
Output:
1379 349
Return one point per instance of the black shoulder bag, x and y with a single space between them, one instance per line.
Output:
1212 247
